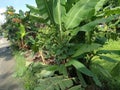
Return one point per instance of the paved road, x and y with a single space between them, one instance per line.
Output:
7 67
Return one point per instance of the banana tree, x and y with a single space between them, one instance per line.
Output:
67 17
63 15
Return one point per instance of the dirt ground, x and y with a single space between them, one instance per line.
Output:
7 68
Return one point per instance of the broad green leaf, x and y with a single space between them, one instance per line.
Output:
98 68
97 81
84 48
70 3
116 70
55 83
112 45
78 87
112 11
90 26
83 69
107 58
83 9
45 9
41 5
58 12
52 68
35 18
65 84
33 9
35 14
62 69
80 77
99 5
22 31
45 73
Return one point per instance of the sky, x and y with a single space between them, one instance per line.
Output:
17 4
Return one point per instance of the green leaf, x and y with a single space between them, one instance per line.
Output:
55 83
116 70
90 26
52 67
58 11
107 58
112 11
83 9
70 3
97 81
78 87
33 9
98 68
99 5
111 47
62 69
83 48
45 73
80 77
45 9
22 31
34 14
83 69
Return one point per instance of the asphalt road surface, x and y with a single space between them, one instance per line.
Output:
7 68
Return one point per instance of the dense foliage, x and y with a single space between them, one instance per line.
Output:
68 44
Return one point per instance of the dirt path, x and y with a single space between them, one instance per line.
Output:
7 67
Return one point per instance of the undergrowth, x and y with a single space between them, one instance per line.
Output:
107 68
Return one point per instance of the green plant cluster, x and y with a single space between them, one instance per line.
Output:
73 40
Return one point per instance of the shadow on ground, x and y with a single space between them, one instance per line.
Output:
8 83
5 52
4 76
